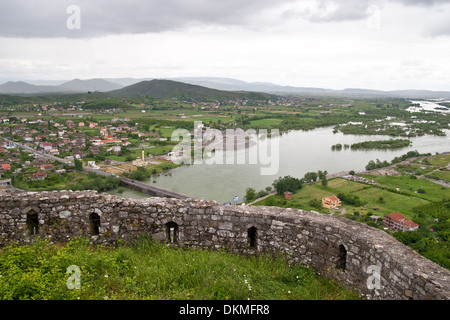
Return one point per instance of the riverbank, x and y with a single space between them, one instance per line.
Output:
299 152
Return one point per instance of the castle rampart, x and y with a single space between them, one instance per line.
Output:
354 254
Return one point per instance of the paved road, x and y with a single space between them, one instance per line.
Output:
45 155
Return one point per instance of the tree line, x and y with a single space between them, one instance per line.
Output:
288 184
367 145
382 164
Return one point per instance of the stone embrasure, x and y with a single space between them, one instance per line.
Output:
354 254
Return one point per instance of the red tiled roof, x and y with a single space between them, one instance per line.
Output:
410 224
38 174
396 216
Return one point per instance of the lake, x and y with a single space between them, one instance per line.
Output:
299 152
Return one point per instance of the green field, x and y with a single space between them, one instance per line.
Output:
441 175
440 160
429 207
265 122
370 195
433 191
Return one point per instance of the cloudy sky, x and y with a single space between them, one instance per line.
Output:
376 44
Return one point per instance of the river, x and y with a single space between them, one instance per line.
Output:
299 152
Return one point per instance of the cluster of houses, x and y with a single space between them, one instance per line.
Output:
59 138
56 138
10 155
7 156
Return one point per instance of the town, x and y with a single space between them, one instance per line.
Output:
116 145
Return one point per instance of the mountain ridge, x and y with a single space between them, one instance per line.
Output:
217 83
72 86
163 88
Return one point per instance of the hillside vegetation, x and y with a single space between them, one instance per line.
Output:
173 89
150 270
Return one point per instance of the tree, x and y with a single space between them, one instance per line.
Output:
323 177
371 165
324 182
287 183
310 177
78 165
250 194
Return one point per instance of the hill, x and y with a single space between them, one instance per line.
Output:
101 85
217 83
239 85
167 89
21 87
73 86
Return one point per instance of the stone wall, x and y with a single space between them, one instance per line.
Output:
354 254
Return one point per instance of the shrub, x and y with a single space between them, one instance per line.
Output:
287 183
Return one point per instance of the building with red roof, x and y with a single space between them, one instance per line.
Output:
331 202
38 176
396 221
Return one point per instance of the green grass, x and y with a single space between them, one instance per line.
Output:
45 185
150 270
442 175
433 191
392 201
440 160
265 122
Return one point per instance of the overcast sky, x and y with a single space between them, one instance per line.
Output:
337 44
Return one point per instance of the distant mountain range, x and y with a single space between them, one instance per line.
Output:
73 86
224 84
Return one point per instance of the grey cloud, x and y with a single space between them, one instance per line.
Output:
344 11
47 18
438 29
426 3
322 11
332 11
